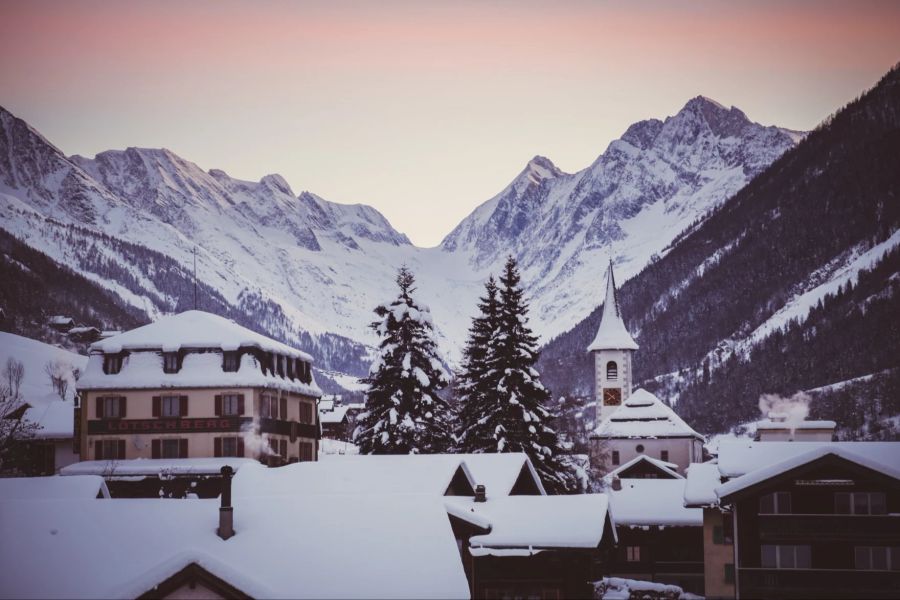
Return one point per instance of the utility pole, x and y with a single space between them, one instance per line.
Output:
195 277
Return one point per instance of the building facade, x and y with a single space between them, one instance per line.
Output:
196 385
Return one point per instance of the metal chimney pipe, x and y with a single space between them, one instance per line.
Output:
480 493
226 512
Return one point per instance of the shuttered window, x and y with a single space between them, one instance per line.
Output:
111 407
170 406
229 405
109 450
306 413
306 451
268 407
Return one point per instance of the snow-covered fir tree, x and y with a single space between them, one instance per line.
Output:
476 385
512 416
404 414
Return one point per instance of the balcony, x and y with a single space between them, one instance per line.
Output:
870 528
817 583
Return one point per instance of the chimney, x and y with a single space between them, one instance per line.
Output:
616 483
480 493
226 512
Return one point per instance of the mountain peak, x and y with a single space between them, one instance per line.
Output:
277 182
723 122
540 168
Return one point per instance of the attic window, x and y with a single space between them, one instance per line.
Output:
112 363
230 362
612 370
170 362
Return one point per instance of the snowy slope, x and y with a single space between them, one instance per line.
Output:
326 265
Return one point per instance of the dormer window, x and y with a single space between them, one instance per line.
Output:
112 363
612 370
170 362
230 362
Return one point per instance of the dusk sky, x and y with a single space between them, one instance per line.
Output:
421 109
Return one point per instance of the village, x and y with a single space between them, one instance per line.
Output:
194 458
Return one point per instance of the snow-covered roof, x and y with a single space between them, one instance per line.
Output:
612 333
335 415
780 424
86 329
643 502
60 320
886 461
156 466
701 483
643 415
666 467
144 370
429 474
282 548
53 488
498 472
741 457
537 522
54 416
194 329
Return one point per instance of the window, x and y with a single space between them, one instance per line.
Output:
664 455
777 503
110 407
781 556
282 449
170 362
633 553
729 572
228 446
306 413
615 457
268 407
232 405
612 370
724 533
171 406
171 448
109 450
860 503
877 558
112 363
230 362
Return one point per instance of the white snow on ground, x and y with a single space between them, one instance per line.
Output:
156 466
329 447
54 415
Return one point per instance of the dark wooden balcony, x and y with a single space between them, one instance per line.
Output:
817 583
788 528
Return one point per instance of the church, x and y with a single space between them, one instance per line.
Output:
631 423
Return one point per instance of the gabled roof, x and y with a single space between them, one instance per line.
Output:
643 415
612 333
283 547
667 469
738 458
193 329
500 472
644 502
153 467
45 488
537 522
886 463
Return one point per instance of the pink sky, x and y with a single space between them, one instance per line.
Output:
421 109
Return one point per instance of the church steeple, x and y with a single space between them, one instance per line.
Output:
612 348
612 334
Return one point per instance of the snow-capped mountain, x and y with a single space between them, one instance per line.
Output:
629 204
322 266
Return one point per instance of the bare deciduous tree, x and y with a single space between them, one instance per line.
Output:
15 431
59 373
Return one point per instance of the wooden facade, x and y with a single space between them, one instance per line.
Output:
827 529
670 555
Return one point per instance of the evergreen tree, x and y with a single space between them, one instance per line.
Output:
477 382
404 414
512 416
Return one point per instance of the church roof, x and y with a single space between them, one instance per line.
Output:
643 415
612 334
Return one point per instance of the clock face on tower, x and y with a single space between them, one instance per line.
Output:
612 396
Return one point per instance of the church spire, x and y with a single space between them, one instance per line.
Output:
612 334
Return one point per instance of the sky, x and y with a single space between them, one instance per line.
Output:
423 110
